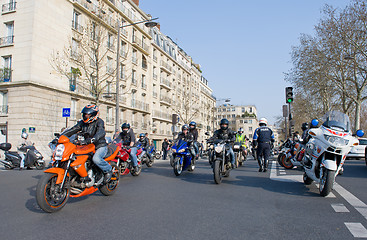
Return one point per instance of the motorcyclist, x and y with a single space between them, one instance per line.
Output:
263 137
143 141
241 138
24 142
93 126
188 137
224 133
194 132
304 131
127 138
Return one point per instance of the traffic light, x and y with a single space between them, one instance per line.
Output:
289 94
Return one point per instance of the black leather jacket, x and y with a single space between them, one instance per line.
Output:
94 130
224 135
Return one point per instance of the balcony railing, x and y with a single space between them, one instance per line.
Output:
166 99
144 65
77 26
162 115
139 105
165 82
134 81
110 120
141 44
9 7
155 76
154 57
123 54
166 66
135 60
5 75
3 109
5 41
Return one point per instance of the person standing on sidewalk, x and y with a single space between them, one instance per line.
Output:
263 137
165 146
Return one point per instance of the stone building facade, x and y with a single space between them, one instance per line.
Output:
154 72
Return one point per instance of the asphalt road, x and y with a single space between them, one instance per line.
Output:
159 205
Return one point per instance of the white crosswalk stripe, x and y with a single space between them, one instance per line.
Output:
339 207
357 229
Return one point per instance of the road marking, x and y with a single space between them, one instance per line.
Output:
357 229
283 178
331 195
360 206
339 207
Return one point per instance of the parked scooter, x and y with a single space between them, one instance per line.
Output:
33 158
326 150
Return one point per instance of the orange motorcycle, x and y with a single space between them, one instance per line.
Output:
75 175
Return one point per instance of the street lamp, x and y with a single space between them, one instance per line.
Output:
148 23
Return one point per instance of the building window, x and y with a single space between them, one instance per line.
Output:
3 103
250 109
250 121
122 71
9 7
110 41
250 135
110 69
143 83
73 78
250 129
109 118
6 70
123 51
154 54
73 108
133 77
76 21
134 57
9 37
233 115
144 64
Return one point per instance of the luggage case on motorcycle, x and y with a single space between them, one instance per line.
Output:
5 146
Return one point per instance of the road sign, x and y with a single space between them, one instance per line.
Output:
66 112
24 130
32 130
285 110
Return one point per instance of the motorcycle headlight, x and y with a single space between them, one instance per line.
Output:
59 151
218 148
182 150
337 141
174 150
211 146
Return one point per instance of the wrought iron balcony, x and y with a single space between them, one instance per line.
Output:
3 109
5 41
5 75
9 7
76 26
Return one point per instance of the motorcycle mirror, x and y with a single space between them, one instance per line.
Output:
360 133
314 122
207 133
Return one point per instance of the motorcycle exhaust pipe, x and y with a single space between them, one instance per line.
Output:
6 164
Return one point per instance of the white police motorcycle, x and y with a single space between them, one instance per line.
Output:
327 149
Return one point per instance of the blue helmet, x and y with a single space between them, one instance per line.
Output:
184 127
314 123
142 135
360 133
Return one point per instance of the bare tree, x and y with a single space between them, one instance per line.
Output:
187 108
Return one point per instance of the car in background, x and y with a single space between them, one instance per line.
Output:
358 151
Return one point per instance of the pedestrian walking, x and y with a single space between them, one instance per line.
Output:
165 146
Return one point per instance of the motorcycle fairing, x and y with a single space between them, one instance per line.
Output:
60 173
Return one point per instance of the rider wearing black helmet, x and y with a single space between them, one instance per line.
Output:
195 134
127 138
188 137
94 127
224 133
144 143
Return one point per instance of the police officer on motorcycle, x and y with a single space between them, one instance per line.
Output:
241 138
263 138
94 127
224 133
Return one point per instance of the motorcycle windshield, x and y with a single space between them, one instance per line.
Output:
180 145
337 121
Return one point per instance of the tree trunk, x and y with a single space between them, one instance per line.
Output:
358 115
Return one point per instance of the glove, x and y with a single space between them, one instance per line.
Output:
90 140
55 141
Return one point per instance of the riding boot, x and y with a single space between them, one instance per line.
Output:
265 165
260 165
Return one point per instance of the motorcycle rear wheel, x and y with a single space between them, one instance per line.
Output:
48 199
134 173
217 170
149 163
177 169
326 182
286 162
39 166
110 188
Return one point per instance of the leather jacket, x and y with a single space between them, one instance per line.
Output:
94 129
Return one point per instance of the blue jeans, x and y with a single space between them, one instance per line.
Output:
231 153
133 152
99 161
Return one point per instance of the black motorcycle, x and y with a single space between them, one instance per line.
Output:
33 158
221 162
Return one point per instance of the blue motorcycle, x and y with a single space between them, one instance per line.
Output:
182 157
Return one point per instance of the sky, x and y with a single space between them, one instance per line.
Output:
243 46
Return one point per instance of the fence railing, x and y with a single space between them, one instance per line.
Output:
8 7
4 41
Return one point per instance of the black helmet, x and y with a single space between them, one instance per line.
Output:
192 125
91 109
304 126
224 121
184 127
125 125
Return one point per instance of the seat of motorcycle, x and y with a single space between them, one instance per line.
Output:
14 153
5 146
111 149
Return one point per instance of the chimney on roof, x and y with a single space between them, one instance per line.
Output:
136 2
159 26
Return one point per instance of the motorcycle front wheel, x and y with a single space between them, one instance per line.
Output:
136 173
177 169
306 179
326 182
217 170
49 196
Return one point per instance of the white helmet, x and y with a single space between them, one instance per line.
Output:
240 130
264 121
24 135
